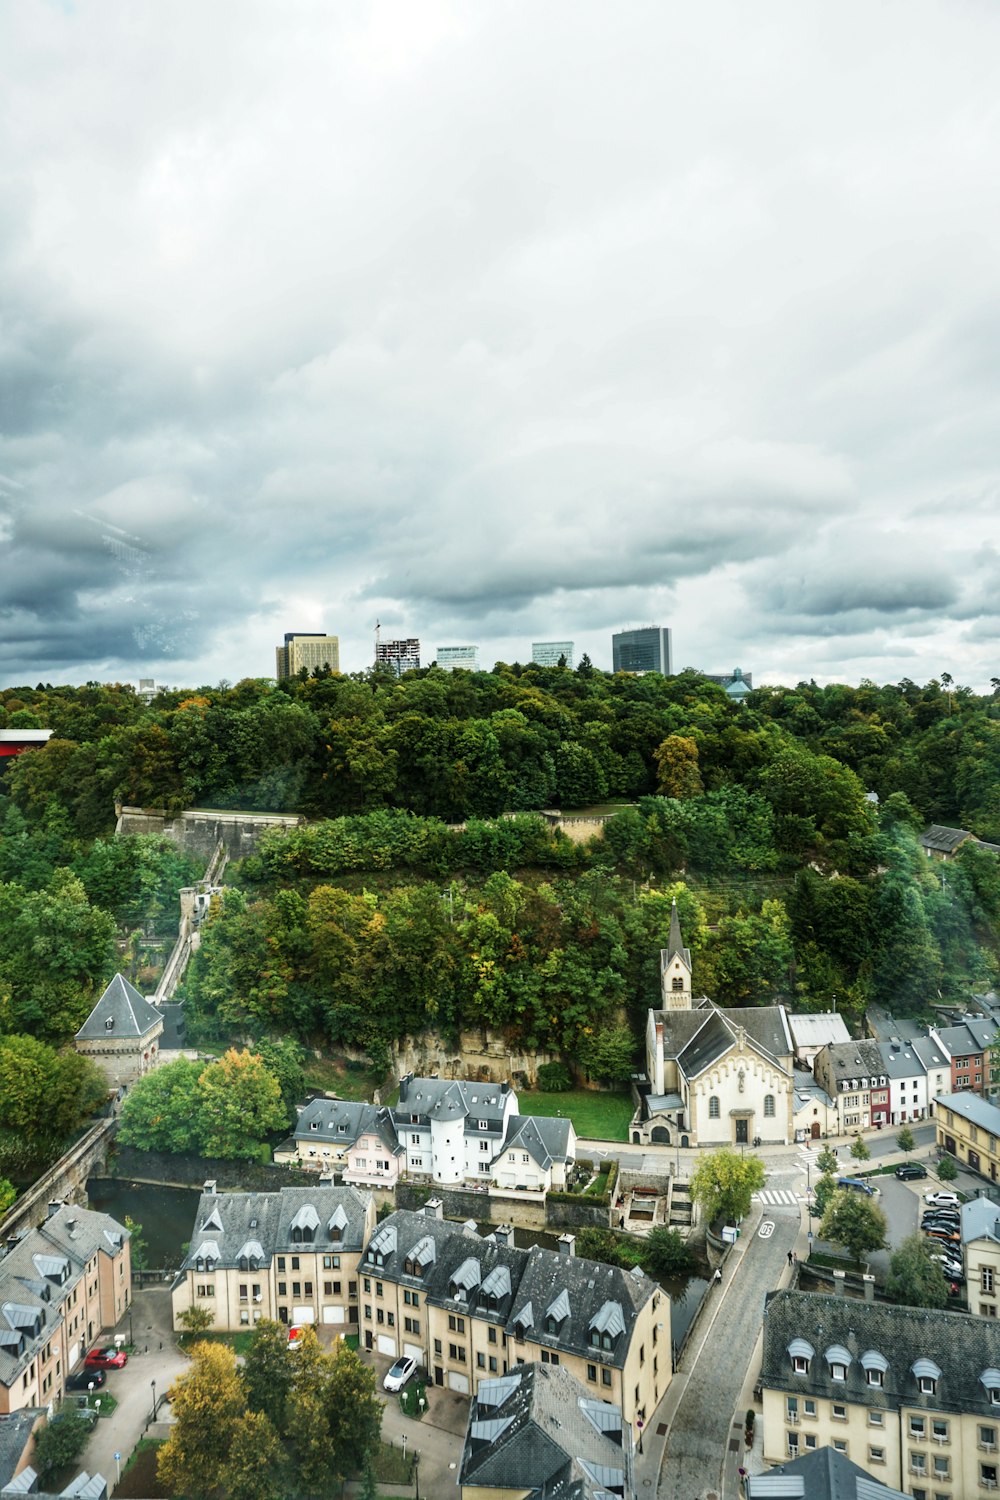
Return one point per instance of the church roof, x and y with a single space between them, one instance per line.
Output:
121 1011
699 1037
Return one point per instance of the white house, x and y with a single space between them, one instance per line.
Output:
451 1129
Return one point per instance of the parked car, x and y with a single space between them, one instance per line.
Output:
106 1359
84 1379
857 1185
942 1218
294 1339
907 1171
941 1232
951 1199
399 1373
85 1414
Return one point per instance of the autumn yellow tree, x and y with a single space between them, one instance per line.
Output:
208 1404
677 771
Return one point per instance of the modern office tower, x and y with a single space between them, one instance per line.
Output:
309 649
644 650
398 656
547 653
466 657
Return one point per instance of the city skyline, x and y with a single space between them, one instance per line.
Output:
674 313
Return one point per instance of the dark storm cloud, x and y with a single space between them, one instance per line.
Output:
314 315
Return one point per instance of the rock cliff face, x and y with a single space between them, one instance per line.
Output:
479 1054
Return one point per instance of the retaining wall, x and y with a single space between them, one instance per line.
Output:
65 1180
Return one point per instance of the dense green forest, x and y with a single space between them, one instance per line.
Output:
378 917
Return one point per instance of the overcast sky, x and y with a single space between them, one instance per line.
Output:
500 323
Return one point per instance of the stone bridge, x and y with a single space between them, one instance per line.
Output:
66 1180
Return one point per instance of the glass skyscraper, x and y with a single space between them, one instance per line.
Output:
643 650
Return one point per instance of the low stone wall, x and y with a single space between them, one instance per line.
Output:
578 1214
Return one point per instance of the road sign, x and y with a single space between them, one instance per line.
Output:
766 1230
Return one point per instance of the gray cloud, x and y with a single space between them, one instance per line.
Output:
499 326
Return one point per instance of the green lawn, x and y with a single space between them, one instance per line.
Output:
599 1184
335 1075
596 1116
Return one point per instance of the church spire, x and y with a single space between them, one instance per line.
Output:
676 943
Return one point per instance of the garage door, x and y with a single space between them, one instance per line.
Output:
74 1353
303 1315
458 1382
415 1352
386 1345
334 1315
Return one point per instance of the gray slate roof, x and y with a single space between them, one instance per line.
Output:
129 1012
980 1220
963 1349
698 1037
944 840
259 1225
861 1059
536 1430
967 1037
972 1106
38 1274
536 1277
341 1122
823 1474
449 1099
15 1430
545 1140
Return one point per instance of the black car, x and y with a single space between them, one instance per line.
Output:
940 1216
907 1170
84 1379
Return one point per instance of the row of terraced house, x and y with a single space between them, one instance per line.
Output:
468 1307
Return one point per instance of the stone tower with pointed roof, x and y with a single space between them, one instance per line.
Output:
121 1034
675 967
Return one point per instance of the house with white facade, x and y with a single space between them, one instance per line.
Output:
341 1135
536 1154
451 1129
917 1072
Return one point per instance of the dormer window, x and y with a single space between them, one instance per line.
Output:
874 1366
838 1360
109 1024
838 1371
800 1352
927 1376
313 1124
336 1233
483 1124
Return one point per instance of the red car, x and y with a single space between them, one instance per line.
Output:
105 1359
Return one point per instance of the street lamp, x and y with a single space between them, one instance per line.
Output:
153 1384
416 1474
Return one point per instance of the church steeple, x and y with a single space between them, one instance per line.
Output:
675 967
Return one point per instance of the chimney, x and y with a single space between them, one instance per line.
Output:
326 1178
567 1245
504 1234
71 1228
55 1204
211 1186
434 1208
838 1283
505 1086
404 1086
869 1288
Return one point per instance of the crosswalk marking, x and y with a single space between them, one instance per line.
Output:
777 1195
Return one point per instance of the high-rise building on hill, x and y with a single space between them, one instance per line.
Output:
548 653
466 657
398 656
309 649
643 650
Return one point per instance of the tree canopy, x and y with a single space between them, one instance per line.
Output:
724 1182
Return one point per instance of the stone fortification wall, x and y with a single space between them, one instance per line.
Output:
579 830
184 1169
199 831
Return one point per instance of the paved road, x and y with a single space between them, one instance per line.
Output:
132 1387
702 1426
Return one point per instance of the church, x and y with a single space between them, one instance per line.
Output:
715 1077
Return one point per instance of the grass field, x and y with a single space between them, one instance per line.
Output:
596 1116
